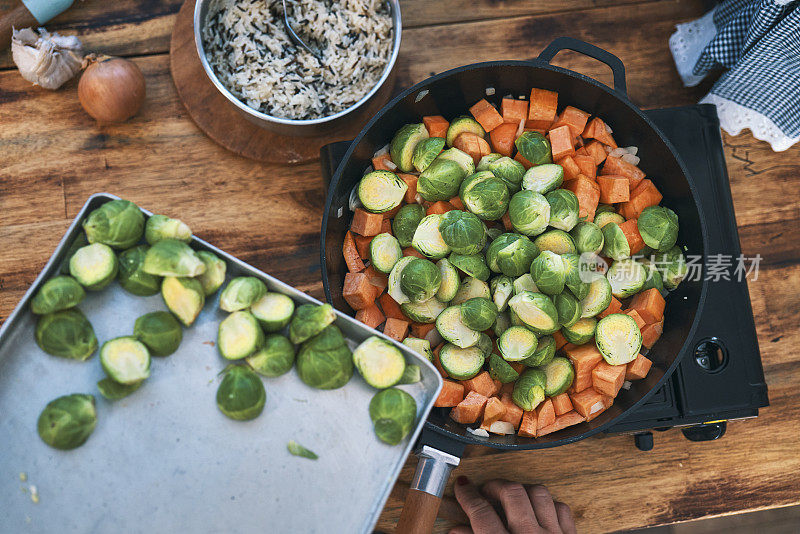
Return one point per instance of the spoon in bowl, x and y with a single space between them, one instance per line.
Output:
295 38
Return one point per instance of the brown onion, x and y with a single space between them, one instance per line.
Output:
111 89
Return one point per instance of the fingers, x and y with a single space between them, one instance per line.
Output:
515 502
565 520
544 508
482 517
463 529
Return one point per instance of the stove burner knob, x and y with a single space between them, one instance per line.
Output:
706 431
643 441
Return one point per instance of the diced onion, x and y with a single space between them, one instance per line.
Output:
627 384
596 407
632 150
381 151
630 158
607 149
490 91
390 164
501 427
618 152
478 432
509 96
434 337
521 128
422 94
355 202
608 129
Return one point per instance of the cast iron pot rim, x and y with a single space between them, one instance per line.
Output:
623 100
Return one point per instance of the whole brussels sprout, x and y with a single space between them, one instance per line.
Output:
404 143
420 280
68 421
463 232
273 311
392 412
658 227
324 361
94 266
543 178
426 151
131 274
241 395
502 287
441 180
572 280
58 293
112 390
275 358
472 265
379 362
483 163
160 227
588 238
241 293
673 267
450 280
548 273
534 147
381 191
66 333
529 389
485 195
536 311
214 275
405 223
478 313
529 213
615 244
563 209
118 224
511 254
427 240
125 360
384 252
509 170
309 320
568 307
171 257
184 297
160 331
544 353
557 241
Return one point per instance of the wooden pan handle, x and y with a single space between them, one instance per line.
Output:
419 513
18 18
425 495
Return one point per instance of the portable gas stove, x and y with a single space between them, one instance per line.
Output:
723 379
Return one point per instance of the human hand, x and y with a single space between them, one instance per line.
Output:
526 509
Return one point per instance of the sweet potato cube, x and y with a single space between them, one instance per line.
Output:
561 142
396 329
571 169
503 138
586 401
362 245
481 383
386 226
457 203
486 115
436 125
614 307
379 163
561 422
588 194
352 258
586 164
584 358
439 207
366 223
561 404
613 189
617 166
638 368
580 383
437 362
608 379
421 330
543 105
574 118
650 305
651 333
636 317
391 308
473 144
411 181
513 413
645 195
631 230
452 393
607 401
560 341
528 425
545 413
514 110
372 316
358 292
411 251
493 411
379 280
595 149
469 410
596 129
525 163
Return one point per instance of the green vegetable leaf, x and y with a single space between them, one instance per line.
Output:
298 450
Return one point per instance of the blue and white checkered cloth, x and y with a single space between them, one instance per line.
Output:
757 43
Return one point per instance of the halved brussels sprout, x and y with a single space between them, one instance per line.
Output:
404 143
184 297
392 412
536 311
563 209
380 363
411 375
588 238
239 336
275 358
673 267
66 333
615 244
517 343
423 312
172 258
568 307
463 124
543 178
58 293
420 346
452 328
529 389
511 254
501 323
450 281
626 277
427 239
658 227
514 318
529 213
472 265
603 208
324 361
118 224
463 232
273 311
68 421
131 274
381 191
114 390
653 278
500 370
461 363
241 293
295 449
79 241
420 280
485 343
159 331
393 288
478 313
309 320
603 218
597 299
125 360
581 332
509 170
525 283
426 151
214 275
441 180
544 353
470 288
534 147
160 227
241 395
618 338
557 241
483 164
549 273
559 375
384 252
502 287
460 157
94 266
485 195
572 280
405 223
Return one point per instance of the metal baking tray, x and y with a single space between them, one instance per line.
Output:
165 459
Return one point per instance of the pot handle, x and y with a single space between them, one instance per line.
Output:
425 494
582 47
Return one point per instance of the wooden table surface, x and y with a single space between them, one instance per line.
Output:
53 156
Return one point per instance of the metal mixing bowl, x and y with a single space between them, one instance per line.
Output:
305 127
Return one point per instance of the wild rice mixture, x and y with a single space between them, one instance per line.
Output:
254 58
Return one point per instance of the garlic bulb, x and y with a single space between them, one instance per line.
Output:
46 59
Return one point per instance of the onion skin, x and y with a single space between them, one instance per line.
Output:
111 89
